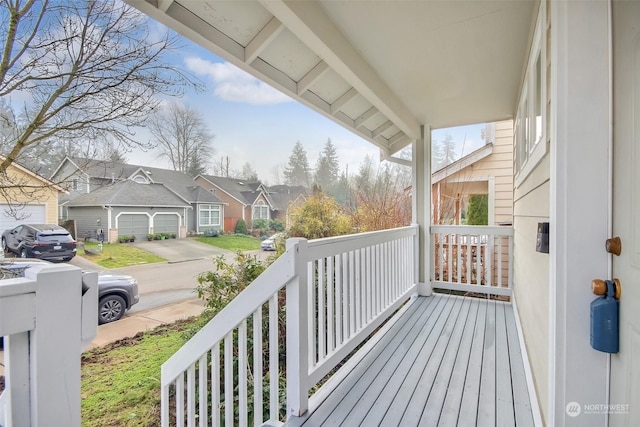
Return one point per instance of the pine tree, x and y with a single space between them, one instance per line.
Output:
328 167
297 170
443 153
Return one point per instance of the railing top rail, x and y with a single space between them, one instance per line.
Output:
335 245
473 229
253 296
16 286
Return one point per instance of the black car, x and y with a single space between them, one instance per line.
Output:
43 241
117 293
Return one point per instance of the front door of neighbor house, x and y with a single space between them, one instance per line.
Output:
625 366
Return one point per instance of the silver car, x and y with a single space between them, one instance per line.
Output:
117 293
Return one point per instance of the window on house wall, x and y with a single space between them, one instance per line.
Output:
209 215
75 184
260 210
530 124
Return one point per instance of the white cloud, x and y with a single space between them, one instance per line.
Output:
235 85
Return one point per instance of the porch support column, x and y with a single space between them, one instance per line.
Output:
579 206
421 206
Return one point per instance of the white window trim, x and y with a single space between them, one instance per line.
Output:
210 208
535 153
260 204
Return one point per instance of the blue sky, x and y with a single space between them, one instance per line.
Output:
255 123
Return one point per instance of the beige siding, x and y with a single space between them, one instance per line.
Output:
44 195
531 272
498 166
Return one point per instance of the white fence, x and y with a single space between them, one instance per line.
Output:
46 319
257 360
472 258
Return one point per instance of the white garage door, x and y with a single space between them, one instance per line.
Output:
133 224
29 214
165 223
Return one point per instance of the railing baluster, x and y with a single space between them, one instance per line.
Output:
215 385
311 310
339 298
180 400
257 367
274 373
228 380
499 269
330 304
346 297
203 394
242 374
352 294
322 329
488 266
191 401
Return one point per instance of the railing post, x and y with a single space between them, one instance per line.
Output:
297 332
56 347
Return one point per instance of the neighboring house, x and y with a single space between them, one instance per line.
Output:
129 208
285 199
245 200
487 170
252 200
81 176
35 202
204 211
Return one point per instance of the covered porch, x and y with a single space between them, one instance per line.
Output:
443 360
335 333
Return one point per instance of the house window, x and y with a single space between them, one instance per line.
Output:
75 184
530 124
209 215
260 210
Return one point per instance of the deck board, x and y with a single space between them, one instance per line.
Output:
447 361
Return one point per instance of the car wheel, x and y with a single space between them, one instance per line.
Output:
110 309
24 254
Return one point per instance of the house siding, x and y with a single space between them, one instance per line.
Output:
45 195
233 208
531 271
499 167
86 219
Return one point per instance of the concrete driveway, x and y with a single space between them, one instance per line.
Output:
178 250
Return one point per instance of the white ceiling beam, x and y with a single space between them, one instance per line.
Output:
266 35
342 100
386 125
364 117
312 76
308 21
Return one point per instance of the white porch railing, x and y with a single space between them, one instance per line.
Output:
472 258
46 320
337 290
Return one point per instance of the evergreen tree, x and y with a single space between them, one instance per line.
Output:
297 170
248 173
478 212
328 166
443 153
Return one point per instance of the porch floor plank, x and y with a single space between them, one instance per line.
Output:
447 361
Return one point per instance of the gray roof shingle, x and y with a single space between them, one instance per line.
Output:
129 193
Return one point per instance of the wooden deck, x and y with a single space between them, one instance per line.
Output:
446 361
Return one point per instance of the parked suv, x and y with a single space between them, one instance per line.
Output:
116 292
44 241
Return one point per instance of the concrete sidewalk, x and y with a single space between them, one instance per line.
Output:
142 321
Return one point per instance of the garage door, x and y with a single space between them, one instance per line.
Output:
165 223
133 225
29 214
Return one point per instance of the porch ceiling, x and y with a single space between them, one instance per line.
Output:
379 68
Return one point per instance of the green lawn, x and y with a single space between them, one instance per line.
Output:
121 381
116 255
232 242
